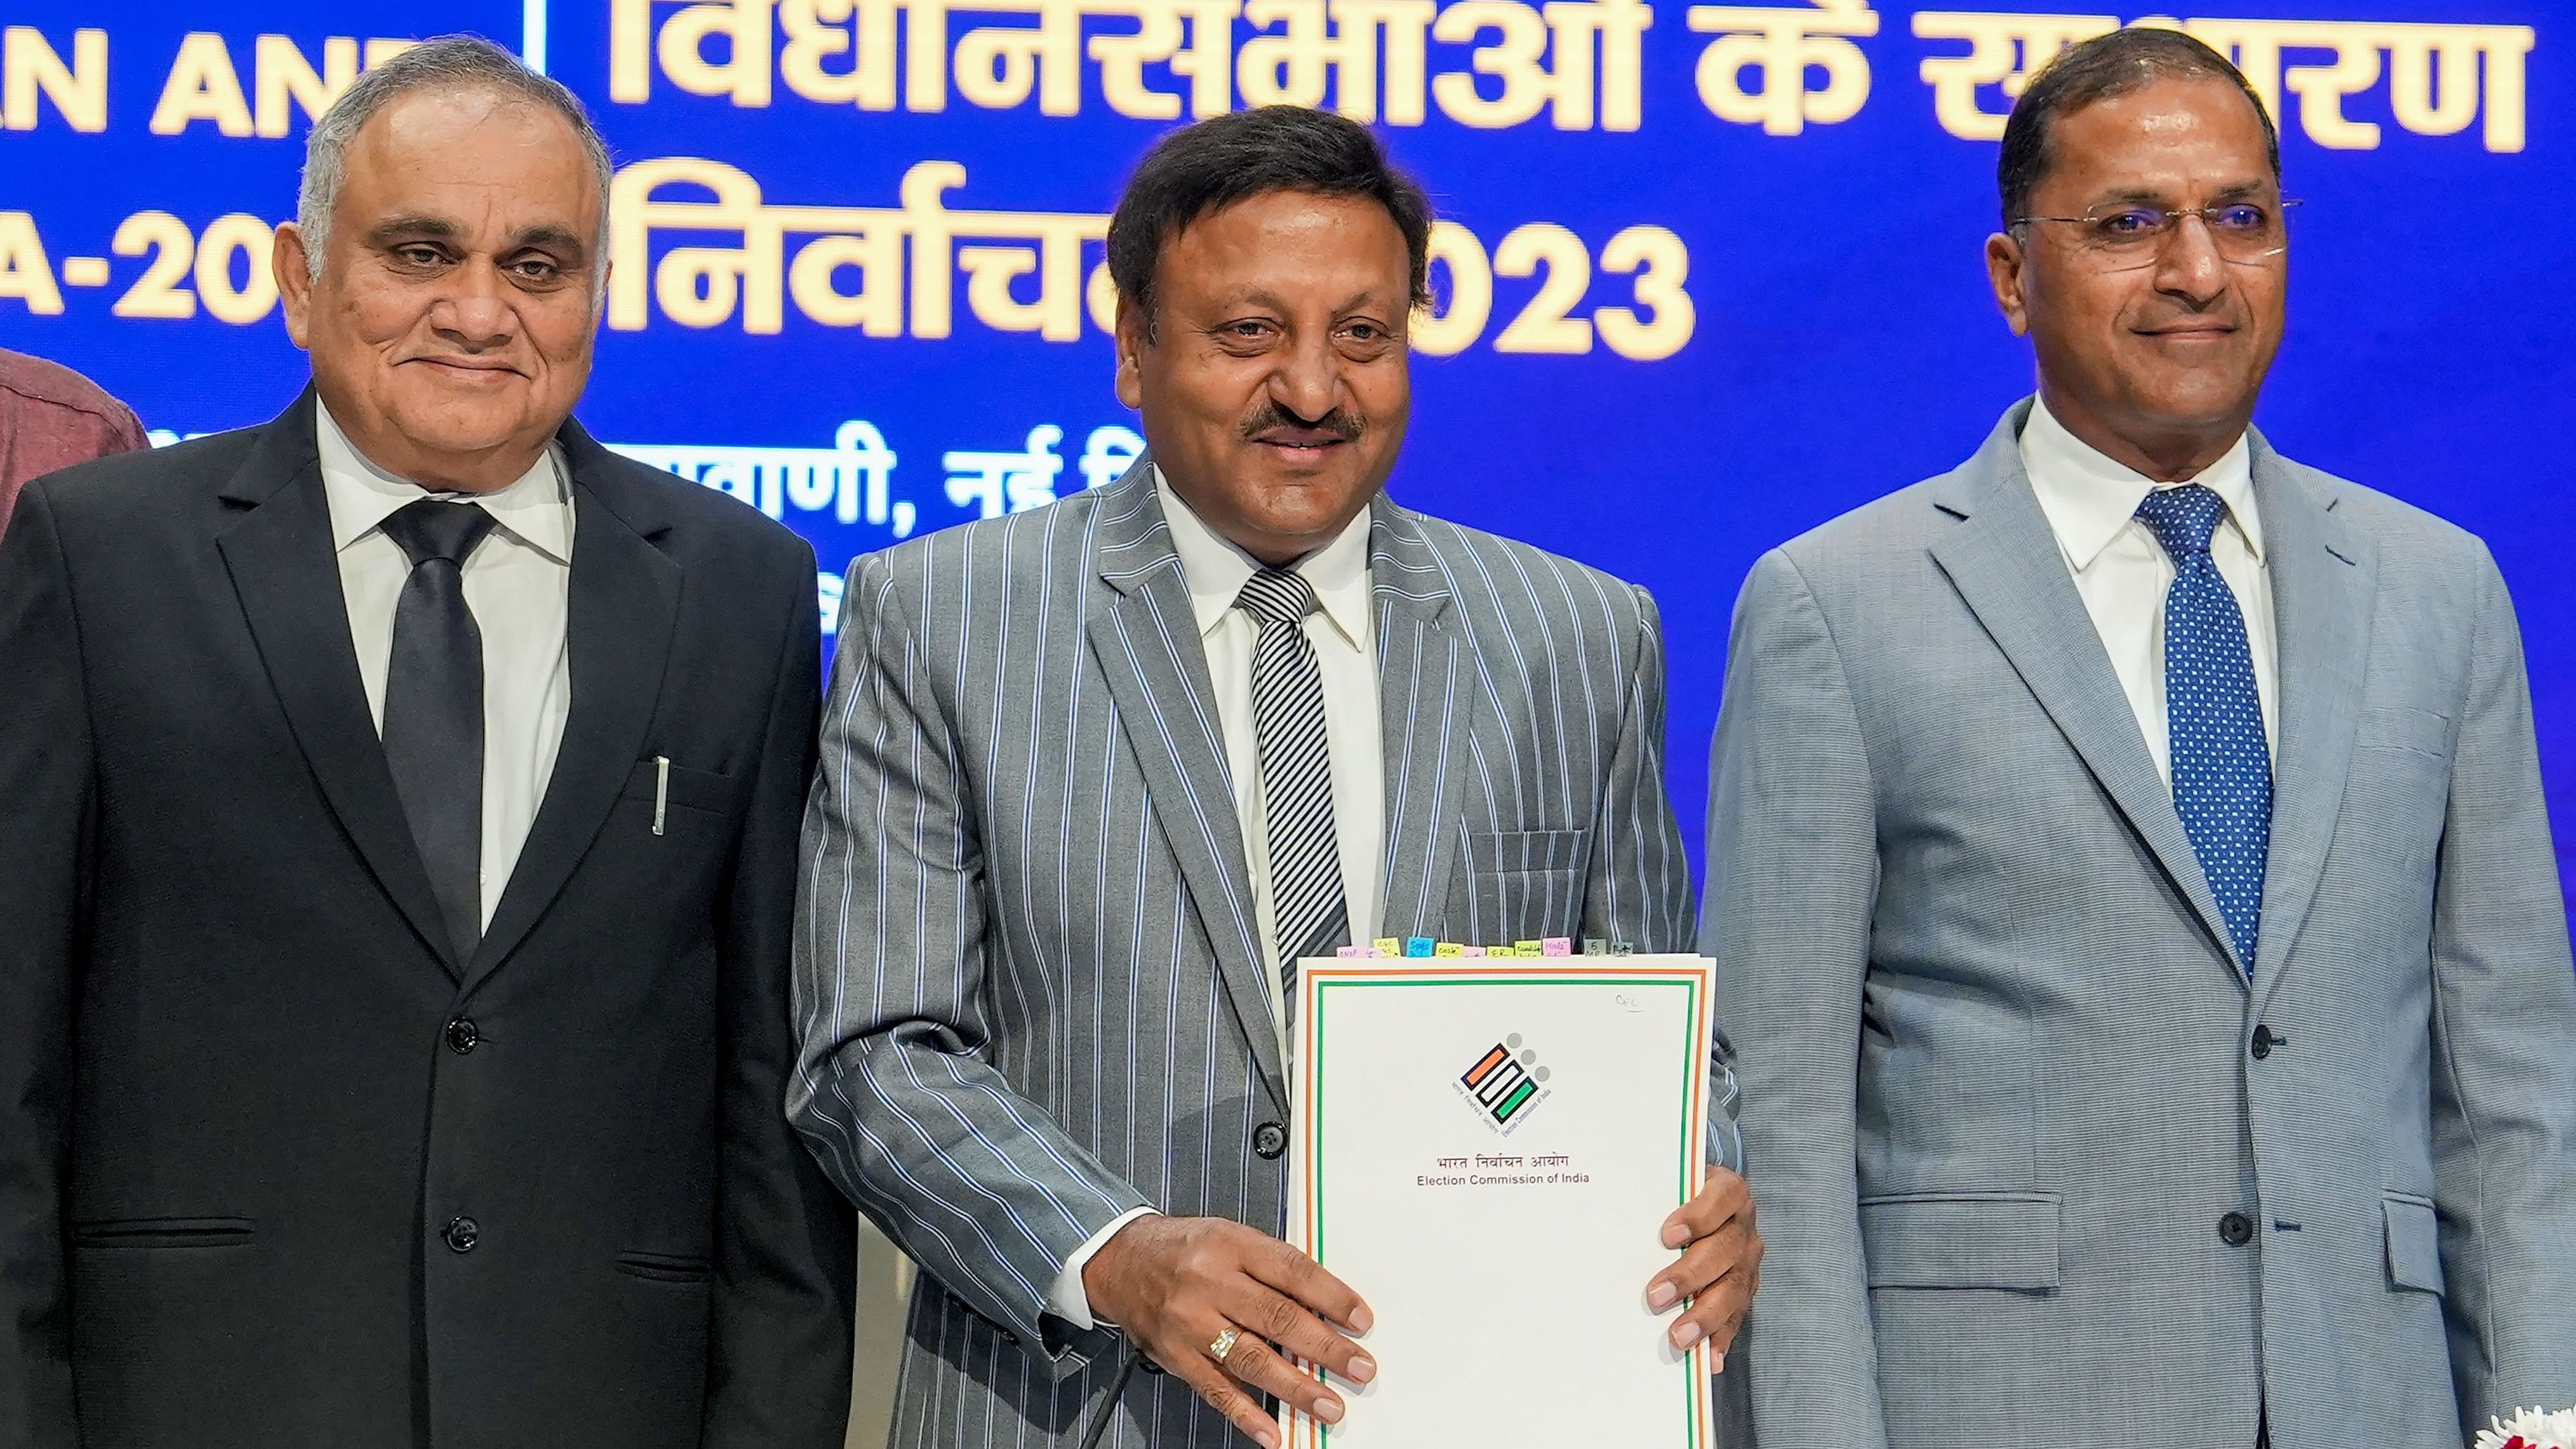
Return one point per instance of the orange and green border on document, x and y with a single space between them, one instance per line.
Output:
1317 979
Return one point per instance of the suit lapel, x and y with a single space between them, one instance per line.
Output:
624 605
1427 711
2324 575
1147 642
2006 564
287 577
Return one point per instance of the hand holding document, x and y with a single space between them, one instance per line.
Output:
1486 1151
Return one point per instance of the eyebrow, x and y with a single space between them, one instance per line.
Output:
1264 297
2149 196
545 235
402 227
558 238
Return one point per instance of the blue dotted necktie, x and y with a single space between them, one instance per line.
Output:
2222 768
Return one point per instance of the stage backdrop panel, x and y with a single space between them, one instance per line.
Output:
1710 274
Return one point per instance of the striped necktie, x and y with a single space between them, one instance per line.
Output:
2222 767
1308 913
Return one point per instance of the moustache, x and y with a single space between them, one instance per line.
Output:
1338 423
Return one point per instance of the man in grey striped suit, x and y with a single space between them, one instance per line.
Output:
1095 777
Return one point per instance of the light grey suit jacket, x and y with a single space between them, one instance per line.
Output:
2001 1084
1027 975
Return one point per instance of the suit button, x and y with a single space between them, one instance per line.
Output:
462 1234
2236 1230
1270 1140
2264 1041
462 1036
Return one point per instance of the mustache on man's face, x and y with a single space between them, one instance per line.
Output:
1272 416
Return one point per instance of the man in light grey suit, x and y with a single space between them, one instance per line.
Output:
1095 777
2129 883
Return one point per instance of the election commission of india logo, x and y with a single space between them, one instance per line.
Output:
1505 1083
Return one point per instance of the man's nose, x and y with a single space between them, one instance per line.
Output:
2189 266
1308 380
476 311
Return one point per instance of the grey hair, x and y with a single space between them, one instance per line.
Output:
452 63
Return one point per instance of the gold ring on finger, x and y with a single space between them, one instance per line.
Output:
1224 1344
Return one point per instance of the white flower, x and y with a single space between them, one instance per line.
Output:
2535 1427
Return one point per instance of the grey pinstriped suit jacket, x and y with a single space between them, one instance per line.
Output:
1027 975
2001 1076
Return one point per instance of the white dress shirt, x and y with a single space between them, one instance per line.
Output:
1344 635
2122 572
518 584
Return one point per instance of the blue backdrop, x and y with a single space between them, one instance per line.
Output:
1826 170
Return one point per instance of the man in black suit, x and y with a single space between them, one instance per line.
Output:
399 856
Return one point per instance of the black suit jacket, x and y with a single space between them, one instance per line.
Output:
241 1105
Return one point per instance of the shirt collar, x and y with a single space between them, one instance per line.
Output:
1217 570
362 496
2089 497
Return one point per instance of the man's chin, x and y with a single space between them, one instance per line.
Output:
469 423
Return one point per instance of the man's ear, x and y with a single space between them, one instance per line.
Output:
2004 258
289 264
1132 341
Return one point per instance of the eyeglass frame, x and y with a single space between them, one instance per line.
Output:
2173 216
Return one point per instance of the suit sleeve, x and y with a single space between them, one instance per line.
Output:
1639 888
1792 880
45 775
896 1091
2504 1081
784 1308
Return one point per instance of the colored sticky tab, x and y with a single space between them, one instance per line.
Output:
1346 952
1448 948
1419 945
1389 946
1556 946
1471 950
1595 946
1527 948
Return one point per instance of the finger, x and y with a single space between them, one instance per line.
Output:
1284 1321
1724 1197
1703 1263
1262 1367
1302 1278
1223 1393
1715 1314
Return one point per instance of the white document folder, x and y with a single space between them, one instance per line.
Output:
1485 1149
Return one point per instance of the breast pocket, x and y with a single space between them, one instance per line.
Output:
2397 796
671 791
1523 885
2413 730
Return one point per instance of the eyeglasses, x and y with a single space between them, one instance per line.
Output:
2123 238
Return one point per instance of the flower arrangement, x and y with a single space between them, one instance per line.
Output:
2531 1429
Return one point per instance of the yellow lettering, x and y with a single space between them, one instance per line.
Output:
33 68
286 79
25 271
203 86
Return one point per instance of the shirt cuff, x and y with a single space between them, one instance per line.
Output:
1068 1299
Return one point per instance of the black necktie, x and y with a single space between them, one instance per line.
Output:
434 708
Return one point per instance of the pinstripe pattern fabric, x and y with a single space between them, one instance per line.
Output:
1027 978
2001 1073
1296 776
